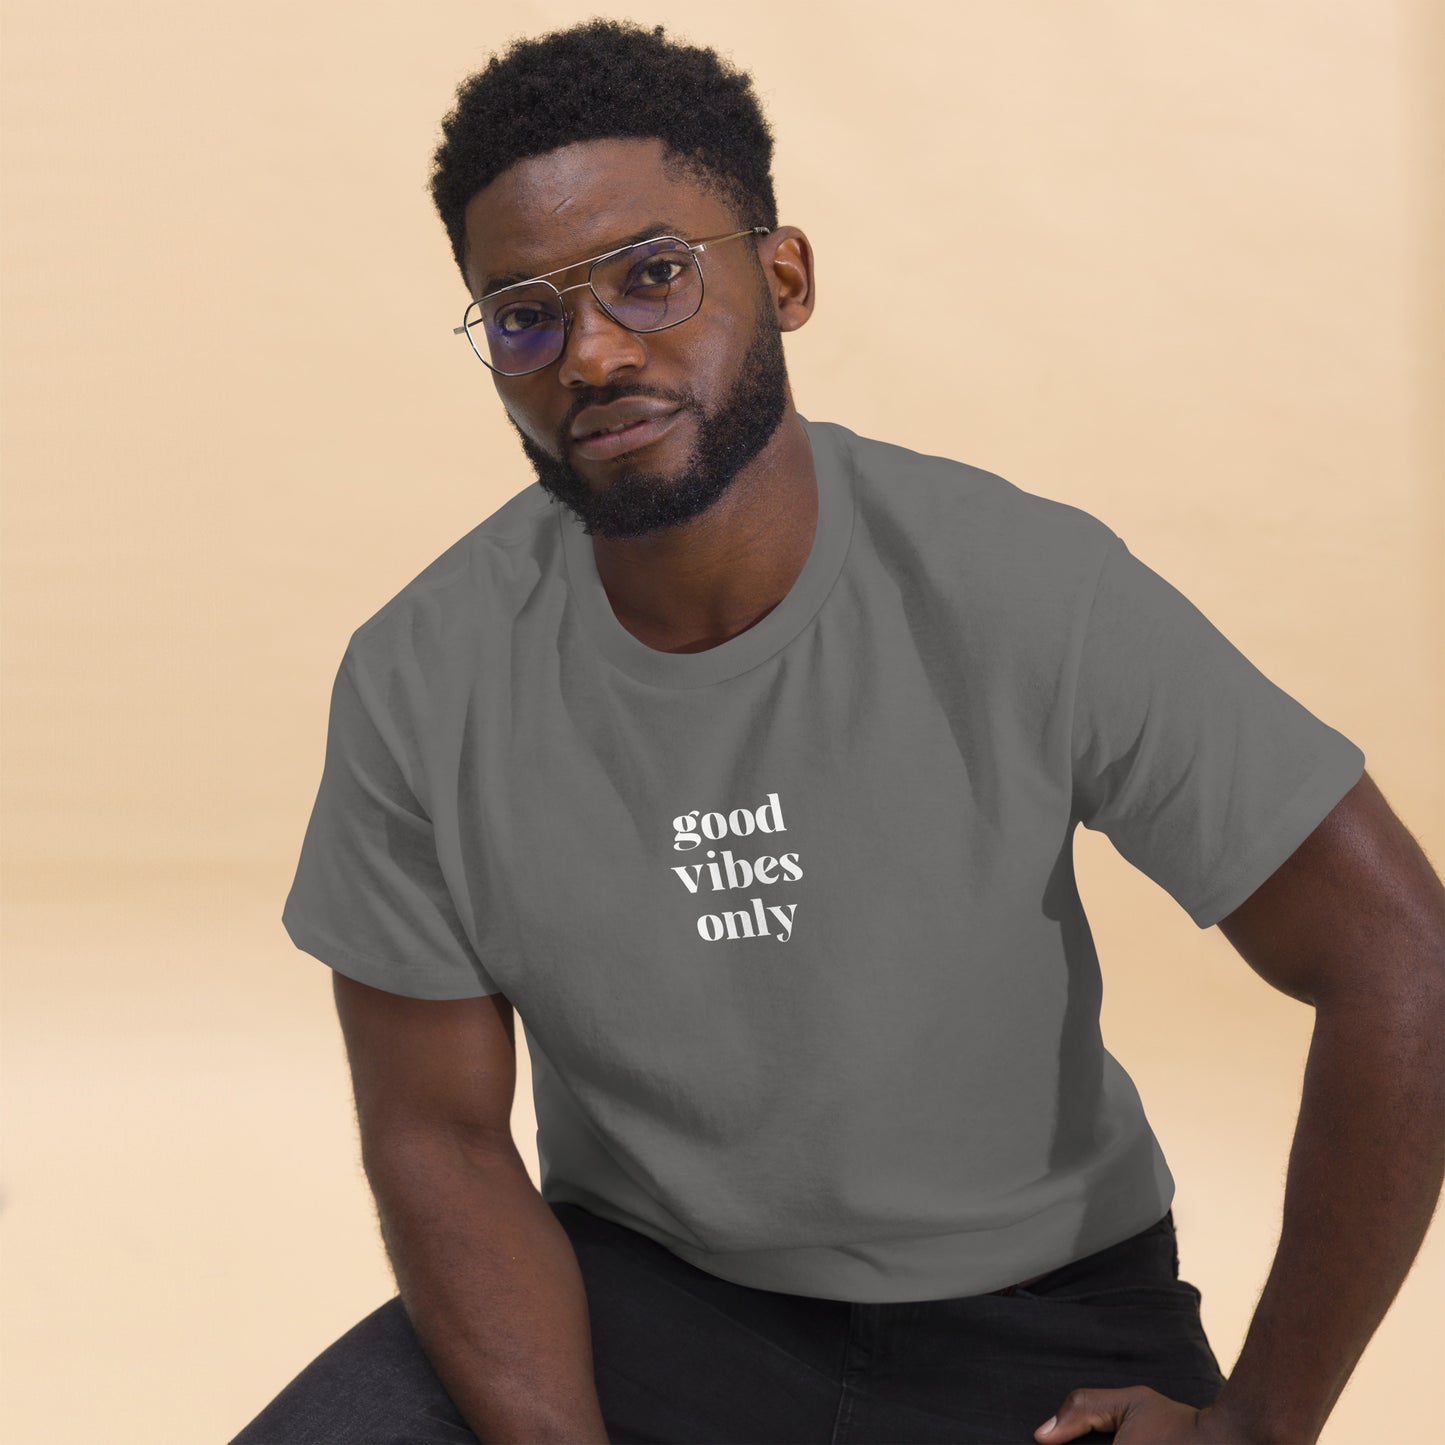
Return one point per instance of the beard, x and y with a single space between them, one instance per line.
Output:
634 501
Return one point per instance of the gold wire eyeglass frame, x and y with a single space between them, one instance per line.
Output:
592 263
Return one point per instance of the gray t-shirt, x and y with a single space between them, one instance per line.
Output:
791 924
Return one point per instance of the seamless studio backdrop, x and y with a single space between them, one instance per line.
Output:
1177 265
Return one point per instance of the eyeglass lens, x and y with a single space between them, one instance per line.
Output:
647 287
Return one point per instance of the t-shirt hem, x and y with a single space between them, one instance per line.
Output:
374 972
947 1266
1297 820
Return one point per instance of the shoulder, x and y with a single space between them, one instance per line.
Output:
459 595
971 523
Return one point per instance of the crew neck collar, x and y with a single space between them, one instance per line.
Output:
834 470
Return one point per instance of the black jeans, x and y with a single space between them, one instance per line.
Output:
680 1355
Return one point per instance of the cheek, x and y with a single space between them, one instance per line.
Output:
514 414
703 362
731 320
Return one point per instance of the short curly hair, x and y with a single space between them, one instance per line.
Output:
600 79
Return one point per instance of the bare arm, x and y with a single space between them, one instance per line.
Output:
487 1275
491 1285
1353 924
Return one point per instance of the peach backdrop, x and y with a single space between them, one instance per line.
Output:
1190 283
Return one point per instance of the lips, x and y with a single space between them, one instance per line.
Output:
603 418
641 433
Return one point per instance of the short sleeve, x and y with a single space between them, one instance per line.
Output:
1202 772
369 898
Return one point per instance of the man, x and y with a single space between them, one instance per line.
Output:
742 754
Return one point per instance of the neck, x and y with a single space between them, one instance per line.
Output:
695 586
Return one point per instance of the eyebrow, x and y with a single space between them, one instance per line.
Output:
657 228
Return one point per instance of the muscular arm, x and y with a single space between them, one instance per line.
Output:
487 1275
1354 925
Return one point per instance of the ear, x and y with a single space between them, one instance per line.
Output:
787 257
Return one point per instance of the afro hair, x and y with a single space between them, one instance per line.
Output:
601 79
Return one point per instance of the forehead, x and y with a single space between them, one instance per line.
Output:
577 201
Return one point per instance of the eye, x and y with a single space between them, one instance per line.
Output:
654 272
520 318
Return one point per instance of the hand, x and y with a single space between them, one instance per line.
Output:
1139 1416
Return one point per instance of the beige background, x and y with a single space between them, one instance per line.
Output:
1188 262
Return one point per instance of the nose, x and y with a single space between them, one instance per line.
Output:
597 346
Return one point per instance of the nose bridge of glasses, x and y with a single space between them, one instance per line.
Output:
588 270
603 299
571 312
603 317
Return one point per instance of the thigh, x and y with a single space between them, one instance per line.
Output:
373 1386
682 1356
992 1368
679 1356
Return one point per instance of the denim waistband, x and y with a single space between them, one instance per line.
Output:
1114 1254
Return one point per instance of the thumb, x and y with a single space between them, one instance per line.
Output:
1085 1410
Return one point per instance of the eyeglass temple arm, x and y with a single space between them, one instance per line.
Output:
718 240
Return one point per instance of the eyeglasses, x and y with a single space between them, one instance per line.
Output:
647 286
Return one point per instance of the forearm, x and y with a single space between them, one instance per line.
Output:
491 1284
1365 1172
